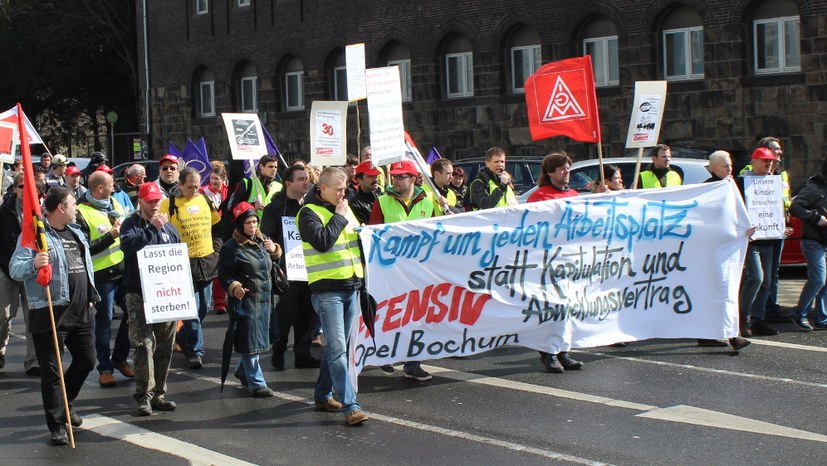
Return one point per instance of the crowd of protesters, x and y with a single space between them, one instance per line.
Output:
96 227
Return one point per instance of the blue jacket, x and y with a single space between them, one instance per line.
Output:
22 269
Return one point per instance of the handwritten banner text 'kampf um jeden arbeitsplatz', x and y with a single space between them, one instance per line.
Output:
578 272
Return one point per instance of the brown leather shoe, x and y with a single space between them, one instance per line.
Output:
329 405
107 380
355 417
124 368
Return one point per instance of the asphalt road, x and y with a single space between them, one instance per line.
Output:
654 402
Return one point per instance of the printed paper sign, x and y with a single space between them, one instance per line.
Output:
8 141
328 130
578 272
765 205
245 135
166 283
293 253
387 130
647 114
355 62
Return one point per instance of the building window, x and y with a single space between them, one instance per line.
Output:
243 3
207 98
340 83
459 68
777 45
600 41
202 7
404 77
294 97
683 45
248 94
524 62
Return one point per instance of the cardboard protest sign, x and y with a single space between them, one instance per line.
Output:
355 63
387 130
570 273
328 130
166 283
293 253
647 114
245 135
762 195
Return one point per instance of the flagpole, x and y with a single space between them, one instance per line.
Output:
358 131
60 369
420 163
637 167
600 162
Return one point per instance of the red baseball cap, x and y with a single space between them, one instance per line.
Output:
168 158
72 170
150 192
105 168
405 167
367 168
762 153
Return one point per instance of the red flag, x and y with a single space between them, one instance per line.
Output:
33 234
561 101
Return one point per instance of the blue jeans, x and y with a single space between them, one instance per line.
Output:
249 364
337 311
755 284
190 337
814 289
772 299
104 310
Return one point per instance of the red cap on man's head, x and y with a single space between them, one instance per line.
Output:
105 168
150 192
72 170
405 167
762 153
367 168
168 158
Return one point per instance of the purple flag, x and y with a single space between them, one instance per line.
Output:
173 150
432 155
199 161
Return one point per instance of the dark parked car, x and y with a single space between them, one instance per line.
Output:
524 170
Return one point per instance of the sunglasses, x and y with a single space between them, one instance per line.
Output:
401 177
20 186
168 168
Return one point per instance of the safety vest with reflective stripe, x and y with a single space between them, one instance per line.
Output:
650 180
508 199
393 211
100 225
451 197
266 195
342 260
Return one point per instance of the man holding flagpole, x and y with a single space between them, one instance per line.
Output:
71 295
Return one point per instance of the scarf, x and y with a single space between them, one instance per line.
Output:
104 205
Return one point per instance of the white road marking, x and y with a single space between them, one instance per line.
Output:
680 413
781 344
708 418
709 369
144 438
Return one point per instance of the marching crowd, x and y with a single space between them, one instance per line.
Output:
95 228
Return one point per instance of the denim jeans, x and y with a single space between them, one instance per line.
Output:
104 310
251 368
337 311
814 289
190 337
772 298
755 284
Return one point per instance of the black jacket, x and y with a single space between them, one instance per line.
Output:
478 191
322 238
361 203
280 206
10 231
810 205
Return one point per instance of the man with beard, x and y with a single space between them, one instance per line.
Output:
73 182
492 186
294 308
153 343
361 202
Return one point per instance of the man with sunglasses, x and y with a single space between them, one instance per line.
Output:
404 201
168 178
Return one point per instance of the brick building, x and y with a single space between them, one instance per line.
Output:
737 70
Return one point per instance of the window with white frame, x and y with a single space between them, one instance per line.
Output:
600 41
248 94
524 62
202 7
459 68
340 83
776 32
683 45
243 2
524 56
206 98
399 55
294 96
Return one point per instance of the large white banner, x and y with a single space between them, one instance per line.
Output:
166 283
570 273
